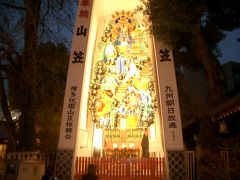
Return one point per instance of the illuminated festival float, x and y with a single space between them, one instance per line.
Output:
120 81
122 97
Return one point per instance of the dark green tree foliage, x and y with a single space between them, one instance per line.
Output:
223 14
51 71
198 26
171 20
52 63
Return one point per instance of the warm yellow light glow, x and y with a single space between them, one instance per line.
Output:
106 7
122 90
129 93
97 139
131 145
152 132
123 124
115 145
123 145
161 154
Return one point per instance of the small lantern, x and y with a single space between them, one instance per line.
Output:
223 129
131 145
115 145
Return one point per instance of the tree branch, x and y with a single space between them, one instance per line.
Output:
13 6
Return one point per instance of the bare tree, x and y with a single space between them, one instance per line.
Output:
27 23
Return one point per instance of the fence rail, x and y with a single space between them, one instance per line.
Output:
191 171
122 169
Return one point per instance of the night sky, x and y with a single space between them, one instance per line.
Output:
230 47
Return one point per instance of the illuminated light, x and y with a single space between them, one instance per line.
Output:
110 51
123 124
152 132
123 68
97 139
131 145
161 154
223 127
115 145
123 145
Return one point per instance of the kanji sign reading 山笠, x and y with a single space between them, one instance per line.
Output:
75 76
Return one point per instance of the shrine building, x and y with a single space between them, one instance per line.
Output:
120 81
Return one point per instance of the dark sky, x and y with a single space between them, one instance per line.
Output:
230 47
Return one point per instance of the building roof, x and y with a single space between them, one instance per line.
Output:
227 108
